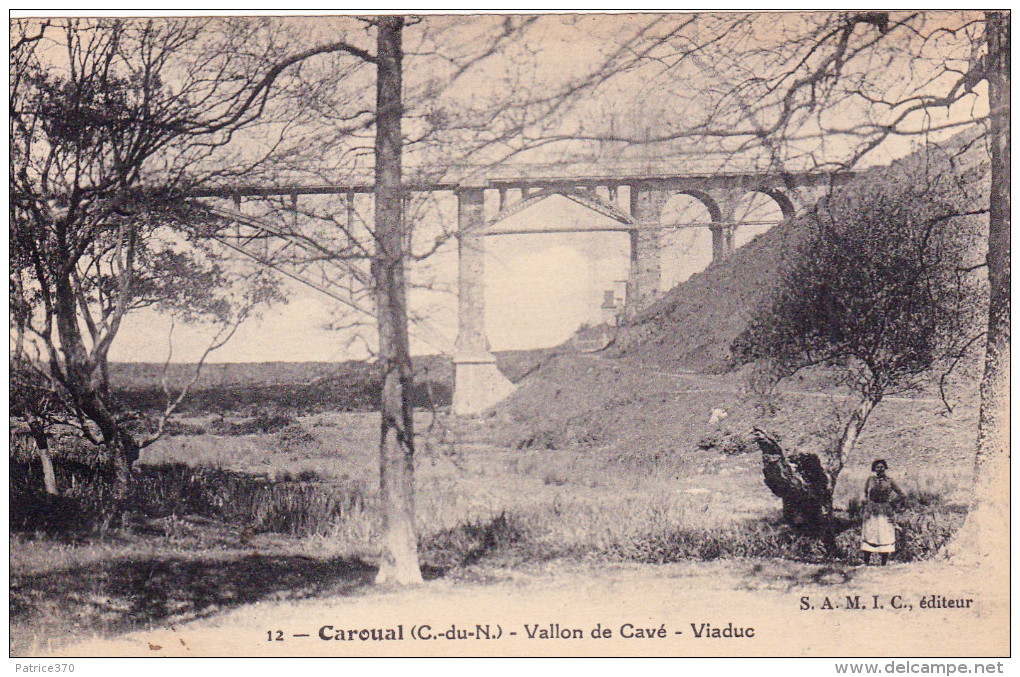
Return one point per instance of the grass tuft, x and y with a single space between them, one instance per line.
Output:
470 542
924 525
262 422
297 506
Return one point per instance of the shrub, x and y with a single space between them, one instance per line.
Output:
294 435
731 444
554 478
582 430
468 543
174 427
925 523
758 538
262 422
542 435
587 430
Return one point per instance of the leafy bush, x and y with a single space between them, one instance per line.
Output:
173 428
751 539
294 435
546 434
583 430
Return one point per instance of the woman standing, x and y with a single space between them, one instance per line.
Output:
878 533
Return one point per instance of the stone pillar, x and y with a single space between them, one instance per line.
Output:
478 383
722 235
645 273
471 274
630 302
728 235
722 242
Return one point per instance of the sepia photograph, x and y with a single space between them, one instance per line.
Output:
490 334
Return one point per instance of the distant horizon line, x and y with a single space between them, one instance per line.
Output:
313 361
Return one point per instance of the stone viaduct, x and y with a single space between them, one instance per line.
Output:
631 199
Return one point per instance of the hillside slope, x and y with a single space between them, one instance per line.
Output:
639 399
693 325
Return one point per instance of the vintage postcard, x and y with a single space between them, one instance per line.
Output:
680 335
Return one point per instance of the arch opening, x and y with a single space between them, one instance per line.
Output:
548 268
758 212
687 250
540 288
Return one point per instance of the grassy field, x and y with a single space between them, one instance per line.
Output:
296 386
592 460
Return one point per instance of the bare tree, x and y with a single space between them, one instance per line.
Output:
396 444
468 105
986 532
110 119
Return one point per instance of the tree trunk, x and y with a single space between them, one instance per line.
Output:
122 445
399 562
800 480
125 453
805 482
88 385
851 431
985 536
42 445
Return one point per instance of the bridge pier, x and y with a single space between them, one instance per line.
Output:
722 242
645 268
722 235
478 383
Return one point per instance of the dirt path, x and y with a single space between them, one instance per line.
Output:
728 387
672 602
